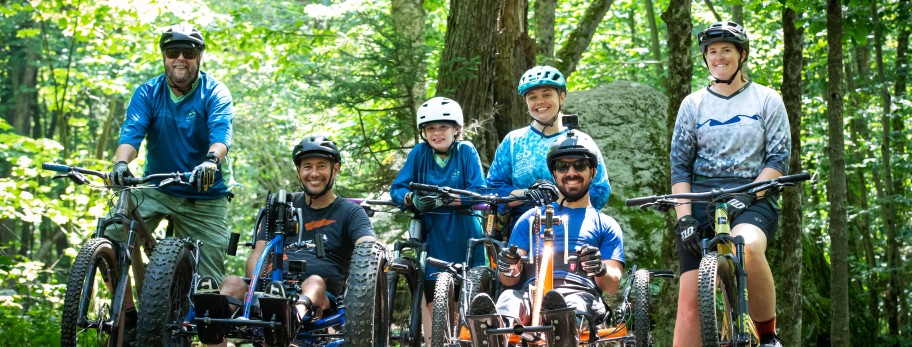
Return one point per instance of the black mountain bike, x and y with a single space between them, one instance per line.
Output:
99 292
721 280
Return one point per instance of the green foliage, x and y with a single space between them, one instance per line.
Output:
30 303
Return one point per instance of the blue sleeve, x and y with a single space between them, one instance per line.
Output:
500 178
683 145
600 189
406 175
778 136
139 115
221 116
612 245
473 172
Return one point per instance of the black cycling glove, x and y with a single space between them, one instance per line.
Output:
507 258
737 204
589 260
542 192
686 230
119 173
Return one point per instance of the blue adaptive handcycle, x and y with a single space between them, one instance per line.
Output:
355 318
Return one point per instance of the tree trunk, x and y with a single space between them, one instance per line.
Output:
836 186
680 72
790 297
634 44
576 43
23 74
7 236
516 54
116 108
888 211
544 31
737 14
709 6
408 22
467 68
654 41
857 190
902 76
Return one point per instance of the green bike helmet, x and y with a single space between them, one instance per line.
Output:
541 76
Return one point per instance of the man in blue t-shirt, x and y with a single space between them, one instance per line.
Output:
594 237
185 117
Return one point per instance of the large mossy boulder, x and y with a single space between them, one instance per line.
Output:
628 122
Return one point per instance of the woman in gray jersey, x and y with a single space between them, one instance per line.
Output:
730 133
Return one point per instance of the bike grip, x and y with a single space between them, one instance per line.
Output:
640 201
481 207
438 263
422 187
804 176
55 167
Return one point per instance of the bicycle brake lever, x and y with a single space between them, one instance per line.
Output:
78 178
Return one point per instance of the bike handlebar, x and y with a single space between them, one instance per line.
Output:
751 188
180 177
486 198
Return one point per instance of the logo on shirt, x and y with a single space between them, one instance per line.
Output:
732 120
190 116
318 223
455 176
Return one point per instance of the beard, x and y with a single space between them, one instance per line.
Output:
573 194
182 73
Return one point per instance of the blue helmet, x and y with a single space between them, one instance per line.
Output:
541 76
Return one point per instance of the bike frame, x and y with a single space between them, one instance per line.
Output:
730 247
123 213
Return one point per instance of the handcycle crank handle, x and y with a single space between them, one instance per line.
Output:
662 273
451 267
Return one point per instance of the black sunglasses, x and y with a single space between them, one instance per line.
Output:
189 53
578 165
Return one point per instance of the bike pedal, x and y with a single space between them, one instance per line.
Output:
279 310
211 305
566 332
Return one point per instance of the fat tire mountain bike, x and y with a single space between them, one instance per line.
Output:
99 290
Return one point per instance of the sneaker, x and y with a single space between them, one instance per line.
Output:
482 304
770 340
553 301
274 290
207 285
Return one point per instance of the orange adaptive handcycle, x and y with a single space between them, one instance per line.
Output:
557 327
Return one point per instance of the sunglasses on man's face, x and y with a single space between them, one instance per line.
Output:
578 165
189 53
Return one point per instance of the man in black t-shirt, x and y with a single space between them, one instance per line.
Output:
342 223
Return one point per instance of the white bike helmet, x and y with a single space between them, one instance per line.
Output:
439 109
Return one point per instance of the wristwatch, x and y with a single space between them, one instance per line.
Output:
213 157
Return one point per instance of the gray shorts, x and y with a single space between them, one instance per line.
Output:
516 304
763 214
